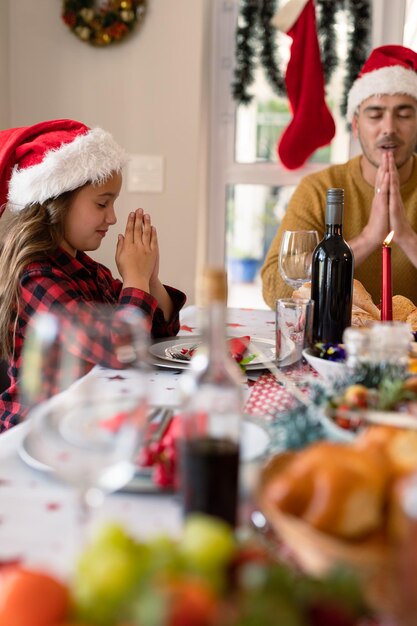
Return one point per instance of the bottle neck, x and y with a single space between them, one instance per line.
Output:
214 330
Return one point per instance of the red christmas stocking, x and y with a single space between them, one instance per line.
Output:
312 125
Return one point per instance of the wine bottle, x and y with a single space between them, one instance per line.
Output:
209 444
332 275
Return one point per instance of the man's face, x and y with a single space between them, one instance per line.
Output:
387 123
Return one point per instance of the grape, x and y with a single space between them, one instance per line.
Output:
107 574
207 543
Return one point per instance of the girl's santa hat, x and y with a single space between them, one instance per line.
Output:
389 70
43 161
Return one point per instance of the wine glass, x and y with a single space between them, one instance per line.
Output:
88 435
295 256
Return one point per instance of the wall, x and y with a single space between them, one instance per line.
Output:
4 64
149 91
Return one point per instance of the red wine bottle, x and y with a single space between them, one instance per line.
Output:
209 445
332 275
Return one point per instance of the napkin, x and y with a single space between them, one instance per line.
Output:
162 456
268 396
236 346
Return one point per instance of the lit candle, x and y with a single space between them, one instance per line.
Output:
386 286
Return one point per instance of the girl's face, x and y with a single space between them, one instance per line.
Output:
90 215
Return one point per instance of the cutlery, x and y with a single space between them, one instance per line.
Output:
183 354
158 422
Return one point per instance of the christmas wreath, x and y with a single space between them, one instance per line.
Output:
105 22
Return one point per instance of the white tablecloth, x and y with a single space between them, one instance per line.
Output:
38 516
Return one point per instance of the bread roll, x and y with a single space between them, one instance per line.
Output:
412 320
401 308
360 317
363 309
398 445
363 300
303 292
334 487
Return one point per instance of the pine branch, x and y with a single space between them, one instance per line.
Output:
245 51
327 35
269 48
359 43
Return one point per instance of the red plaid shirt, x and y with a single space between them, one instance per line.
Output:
67 281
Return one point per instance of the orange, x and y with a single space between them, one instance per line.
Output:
191 603
31 598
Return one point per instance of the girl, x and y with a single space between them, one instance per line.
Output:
60 180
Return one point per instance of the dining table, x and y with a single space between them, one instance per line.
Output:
39 523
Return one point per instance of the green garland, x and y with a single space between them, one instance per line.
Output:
256 36
109 23
359 43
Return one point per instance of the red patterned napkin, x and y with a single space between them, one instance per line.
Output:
268 396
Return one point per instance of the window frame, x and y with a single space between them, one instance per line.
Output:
387 27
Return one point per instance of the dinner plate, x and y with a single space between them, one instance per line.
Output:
254 445
160 351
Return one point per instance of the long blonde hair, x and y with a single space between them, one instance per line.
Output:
32 234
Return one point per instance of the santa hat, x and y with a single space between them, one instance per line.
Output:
43 161
389 70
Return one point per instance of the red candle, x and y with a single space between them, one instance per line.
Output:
386 286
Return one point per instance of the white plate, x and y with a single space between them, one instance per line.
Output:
331 370
255 441
162 359
332 430
372 416
254 444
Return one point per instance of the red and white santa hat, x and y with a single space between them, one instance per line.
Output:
389 70
43 161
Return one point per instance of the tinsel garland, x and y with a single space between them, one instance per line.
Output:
256 36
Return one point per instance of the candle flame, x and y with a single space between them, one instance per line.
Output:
388 238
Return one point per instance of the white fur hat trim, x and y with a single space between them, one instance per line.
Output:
89 158
389 80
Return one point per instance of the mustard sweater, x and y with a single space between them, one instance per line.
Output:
306 211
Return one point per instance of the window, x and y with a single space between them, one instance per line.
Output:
249 188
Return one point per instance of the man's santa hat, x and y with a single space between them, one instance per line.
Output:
389 70
40 162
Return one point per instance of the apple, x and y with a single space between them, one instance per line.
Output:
356 396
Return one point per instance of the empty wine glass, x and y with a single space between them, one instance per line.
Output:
87 434
295 256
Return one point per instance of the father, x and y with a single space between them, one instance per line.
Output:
380 184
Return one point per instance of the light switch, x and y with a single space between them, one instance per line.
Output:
145 173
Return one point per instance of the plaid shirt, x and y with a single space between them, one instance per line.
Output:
67 281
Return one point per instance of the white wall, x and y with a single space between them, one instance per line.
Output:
4 64
149 91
